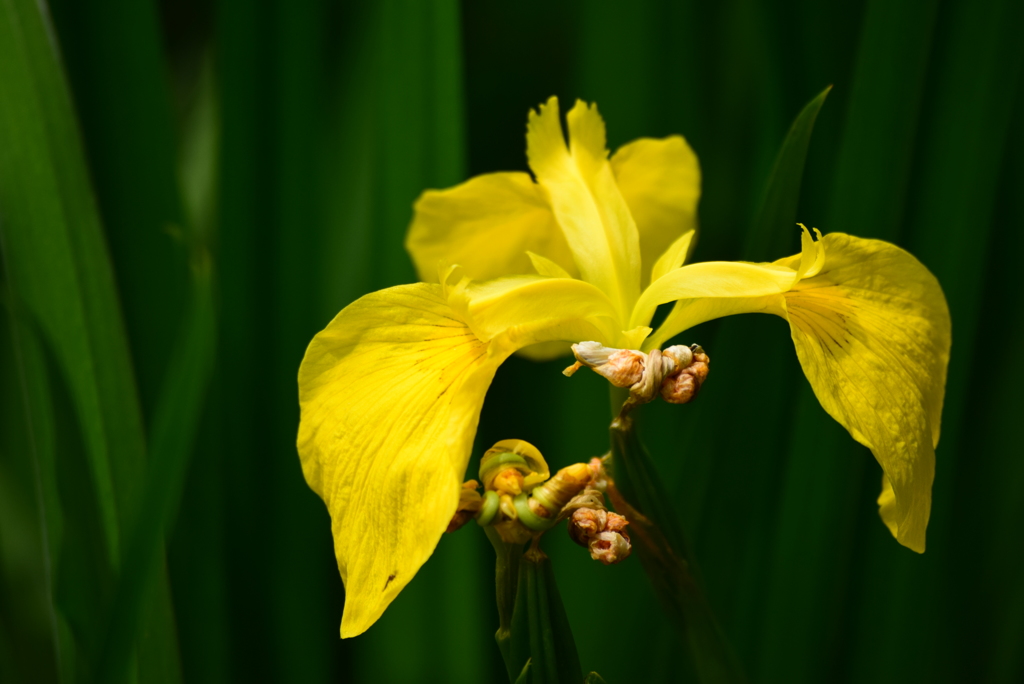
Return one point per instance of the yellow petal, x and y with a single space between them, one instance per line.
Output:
812 253
486 225
546 351
720 288
887 506
390 394
872 332
660 181
546 267
514 312
673 257
585 199
712 289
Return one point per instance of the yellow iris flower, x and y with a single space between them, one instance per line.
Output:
391 390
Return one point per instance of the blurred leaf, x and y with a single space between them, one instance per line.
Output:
53 243
196 548
872 176
58 268
114 55
241 421
996 608
175 424
27 458
301 568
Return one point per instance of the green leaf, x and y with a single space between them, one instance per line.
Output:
773 224
28 460
175 425
524 675
118 78
57 264
886 95
59 271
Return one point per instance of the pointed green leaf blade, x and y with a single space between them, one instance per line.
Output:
774 221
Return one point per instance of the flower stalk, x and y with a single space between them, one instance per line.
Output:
636 491
541 634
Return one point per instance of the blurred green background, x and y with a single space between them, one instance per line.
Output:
190 190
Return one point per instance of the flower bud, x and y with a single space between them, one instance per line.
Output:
506 507
586 523
549 498
622 367
610 547
682 385
616 523
681 355
517 455
509 480
470 502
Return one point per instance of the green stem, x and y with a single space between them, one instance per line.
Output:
506 579
639 494
541 635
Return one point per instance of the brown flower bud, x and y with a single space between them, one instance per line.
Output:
681 355
682 385
622 367
610 547
616 523
585 523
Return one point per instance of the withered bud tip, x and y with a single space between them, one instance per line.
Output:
622 367
610 547
602 532
616 523
470 502
585 523
458 520
683 385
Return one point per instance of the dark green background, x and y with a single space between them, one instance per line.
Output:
284 143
